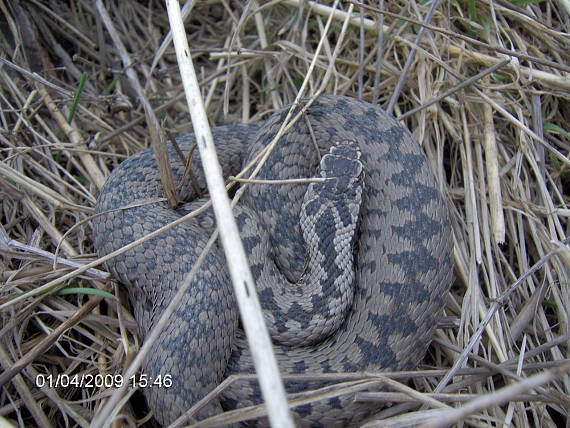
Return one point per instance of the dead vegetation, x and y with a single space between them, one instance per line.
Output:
485 92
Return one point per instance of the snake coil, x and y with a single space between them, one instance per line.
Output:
302 241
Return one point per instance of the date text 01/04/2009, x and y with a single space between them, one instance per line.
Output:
88 380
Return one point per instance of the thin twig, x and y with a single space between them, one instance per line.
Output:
410 59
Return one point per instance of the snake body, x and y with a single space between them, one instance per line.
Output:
387 218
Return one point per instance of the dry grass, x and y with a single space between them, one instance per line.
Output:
499 145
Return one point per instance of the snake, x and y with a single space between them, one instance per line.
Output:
351 266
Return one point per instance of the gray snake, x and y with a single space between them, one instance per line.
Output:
401 252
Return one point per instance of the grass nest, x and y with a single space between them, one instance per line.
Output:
483 85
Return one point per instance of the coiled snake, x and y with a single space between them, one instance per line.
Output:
389 303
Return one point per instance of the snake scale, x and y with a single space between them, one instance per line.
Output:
396 233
